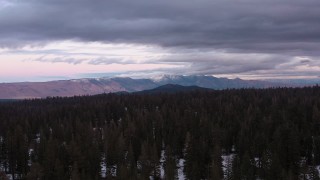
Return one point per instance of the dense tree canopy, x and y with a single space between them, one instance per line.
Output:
230 134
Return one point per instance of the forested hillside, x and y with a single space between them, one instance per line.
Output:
229 134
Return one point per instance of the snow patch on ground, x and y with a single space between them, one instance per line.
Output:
180 165
9 176
227 164
105 169
233 149
161 167
30 152
2 168
303 161
307 174
257 162
113 170
38 138
103 166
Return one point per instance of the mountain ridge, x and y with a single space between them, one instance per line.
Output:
92 86
172 88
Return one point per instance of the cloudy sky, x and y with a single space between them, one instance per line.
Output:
43 40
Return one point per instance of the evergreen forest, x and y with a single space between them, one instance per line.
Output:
234 134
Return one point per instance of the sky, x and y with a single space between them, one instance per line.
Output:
43 40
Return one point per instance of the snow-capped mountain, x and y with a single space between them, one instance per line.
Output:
210 82
166 77
105 85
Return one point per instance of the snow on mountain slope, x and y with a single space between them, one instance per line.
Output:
106 85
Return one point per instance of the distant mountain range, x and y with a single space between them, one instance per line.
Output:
120 84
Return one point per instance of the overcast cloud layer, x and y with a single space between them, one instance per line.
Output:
244 38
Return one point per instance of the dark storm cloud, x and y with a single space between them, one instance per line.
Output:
245 25
259 35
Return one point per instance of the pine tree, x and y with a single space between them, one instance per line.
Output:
234 172
275 168
216 164
155 163
247 171
145 161
36 172
170 164
265 164
75 174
